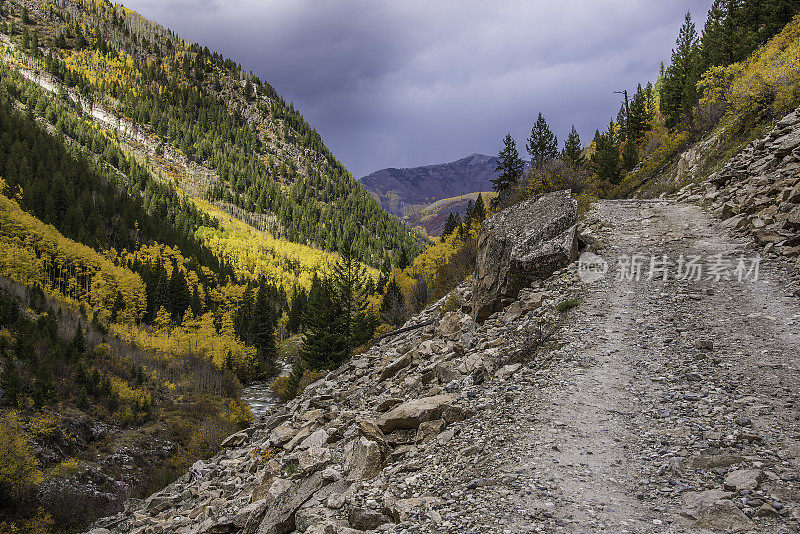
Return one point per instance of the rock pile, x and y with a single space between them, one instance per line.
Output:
758 190
333 460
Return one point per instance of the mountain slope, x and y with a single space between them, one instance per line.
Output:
403 192
127 214
433 217
233 139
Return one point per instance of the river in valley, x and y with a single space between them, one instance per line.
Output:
260 397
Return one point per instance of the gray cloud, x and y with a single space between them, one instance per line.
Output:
412 82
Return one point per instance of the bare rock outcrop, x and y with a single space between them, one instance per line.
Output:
523 243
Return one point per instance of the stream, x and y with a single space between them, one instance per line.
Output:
260 397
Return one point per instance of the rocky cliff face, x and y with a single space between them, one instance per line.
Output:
335 459
403 192
758 190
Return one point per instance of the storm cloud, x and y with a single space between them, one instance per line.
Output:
414 82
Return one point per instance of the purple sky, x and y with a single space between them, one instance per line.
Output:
409 82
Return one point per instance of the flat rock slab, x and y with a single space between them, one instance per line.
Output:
743 479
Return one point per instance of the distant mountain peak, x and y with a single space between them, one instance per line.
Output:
403 192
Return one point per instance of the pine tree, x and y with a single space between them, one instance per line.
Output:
393 306
479 212
640 120
324 345
630 154
726 38
10 380
622 122
349 280
263 331
605 160
77 347
178 294
542 144
449 225
244 316
679 87
299 300
196 304
510 166
468 214
572 152
402 261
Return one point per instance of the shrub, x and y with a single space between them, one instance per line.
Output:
19 468
239 414
284 387
567 304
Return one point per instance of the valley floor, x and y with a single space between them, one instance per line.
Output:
657 392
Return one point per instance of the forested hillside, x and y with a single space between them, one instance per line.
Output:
261 159
163 216
723 87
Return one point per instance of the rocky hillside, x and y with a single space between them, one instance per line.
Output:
758 191
309 465
403 192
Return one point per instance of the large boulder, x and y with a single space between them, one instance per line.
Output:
280 517
415 412
364 461
521 244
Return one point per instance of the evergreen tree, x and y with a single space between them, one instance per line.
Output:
43 387
468 214
393 306
605 160
510 166
10 380
679 87
77 347
324 345
244 316
630 154
572 152
479 211
726 37
349 280
402 261
622 122
640 119
263 331
179 297
299 301
542 144
196 304
449 225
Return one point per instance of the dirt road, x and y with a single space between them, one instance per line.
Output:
659 392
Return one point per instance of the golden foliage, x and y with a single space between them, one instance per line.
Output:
767 80
104 70
239 414
33 253
19 468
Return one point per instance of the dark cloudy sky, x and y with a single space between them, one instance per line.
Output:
411 82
